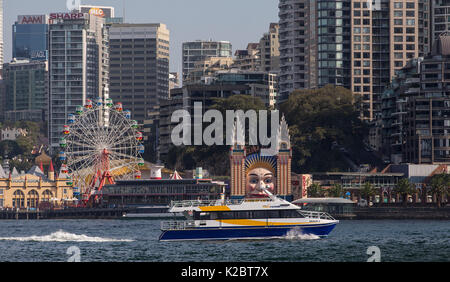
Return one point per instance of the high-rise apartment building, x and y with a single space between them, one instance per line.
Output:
269 46
78 66
139 66
204 70
440 17
298 49
355 44
248 59
26 90
416 109
195 51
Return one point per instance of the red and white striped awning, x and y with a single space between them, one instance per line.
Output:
175 175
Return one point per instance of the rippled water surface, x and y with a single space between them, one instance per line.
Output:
137 240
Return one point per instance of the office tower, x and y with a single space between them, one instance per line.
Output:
1 37
30 37
26 90
78 66
139 66
269 49
195 51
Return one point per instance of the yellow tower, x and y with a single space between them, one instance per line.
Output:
237 161
284 159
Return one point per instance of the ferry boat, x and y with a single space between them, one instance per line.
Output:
254 218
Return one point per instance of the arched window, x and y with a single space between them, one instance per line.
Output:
18 199
47 195
32 199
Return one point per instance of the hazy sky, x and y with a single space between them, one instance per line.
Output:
237 21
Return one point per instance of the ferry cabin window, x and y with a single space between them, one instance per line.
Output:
247 214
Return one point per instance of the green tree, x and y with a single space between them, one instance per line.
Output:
26 144
336 191
440 184
316 191
20 165
404 188
317 118
368 191
10 148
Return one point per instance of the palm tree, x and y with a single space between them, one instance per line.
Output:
367 191
404 188
440 184
336 191
315 191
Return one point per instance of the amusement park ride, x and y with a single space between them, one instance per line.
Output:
101 144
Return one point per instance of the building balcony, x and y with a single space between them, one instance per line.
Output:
412 90
424 117
422 107
412 80
398 113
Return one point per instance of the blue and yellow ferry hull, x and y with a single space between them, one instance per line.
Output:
250 232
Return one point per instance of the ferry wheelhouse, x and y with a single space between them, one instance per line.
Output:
260 218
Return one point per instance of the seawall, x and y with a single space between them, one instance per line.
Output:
75 213
402 213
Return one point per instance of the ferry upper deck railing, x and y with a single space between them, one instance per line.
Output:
198 203
315 214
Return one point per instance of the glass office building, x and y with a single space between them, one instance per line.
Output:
334 35
26 88
30 36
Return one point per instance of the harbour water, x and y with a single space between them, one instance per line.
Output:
137 241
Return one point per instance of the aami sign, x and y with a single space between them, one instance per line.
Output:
34 19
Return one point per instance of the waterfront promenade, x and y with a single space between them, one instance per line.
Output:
384 212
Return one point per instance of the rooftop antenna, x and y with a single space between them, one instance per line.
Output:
73 5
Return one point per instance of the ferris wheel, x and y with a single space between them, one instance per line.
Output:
100 144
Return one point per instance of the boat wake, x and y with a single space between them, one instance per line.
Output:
62 236
297 234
